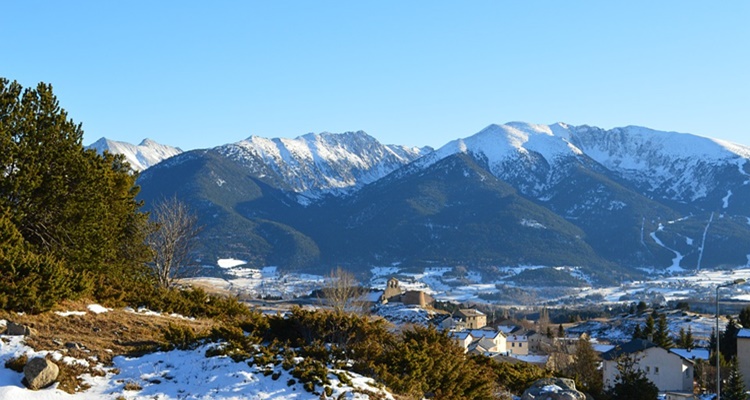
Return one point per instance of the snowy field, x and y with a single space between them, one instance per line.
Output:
172 375
444 285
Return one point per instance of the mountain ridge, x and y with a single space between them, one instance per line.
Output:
624 200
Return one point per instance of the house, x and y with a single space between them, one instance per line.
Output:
491 341
536 341
451 324
743 354
518 343
670 371
474 319
462 338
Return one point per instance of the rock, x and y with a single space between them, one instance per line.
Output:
73 346
553 389
15 329
40 372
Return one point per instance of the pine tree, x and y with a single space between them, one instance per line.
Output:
631 383
67 203
744 317
728 339
637 333
648 330
585 368
689 341
735 386
661 336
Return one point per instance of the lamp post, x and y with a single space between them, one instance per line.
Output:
718 336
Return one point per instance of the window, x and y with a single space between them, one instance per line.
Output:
656 370
648 369
520 345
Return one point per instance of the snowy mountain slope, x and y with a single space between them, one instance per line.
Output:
622 189
314 165
140 156
670 165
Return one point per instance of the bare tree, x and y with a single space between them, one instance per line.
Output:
174 229
342 291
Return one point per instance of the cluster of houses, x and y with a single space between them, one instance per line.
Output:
671 370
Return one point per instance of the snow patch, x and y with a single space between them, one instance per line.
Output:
230 263
97 309
69 313
725 199
532 224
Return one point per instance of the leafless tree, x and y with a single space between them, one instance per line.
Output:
172 235
342 291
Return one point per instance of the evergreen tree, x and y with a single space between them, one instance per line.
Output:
427 363
29 282
744 317
728 339
66 202
631 383
685 339
648 330
637 333
661 336
585 368
734 389
560 331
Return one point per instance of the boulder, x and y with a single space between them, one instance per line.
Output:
553 389
15 329
40 372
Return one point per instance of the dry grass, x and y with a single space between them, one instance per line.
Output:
101 336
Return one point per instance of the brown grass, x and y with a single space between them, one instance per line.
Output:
101 336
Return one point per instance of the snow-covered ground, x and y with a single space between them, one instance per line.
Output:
444 284
178 374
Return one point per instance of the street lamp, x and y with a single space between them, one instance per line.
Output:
718 365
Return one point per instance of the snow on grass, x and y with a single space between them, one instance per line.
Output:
177 374
97 309
69 313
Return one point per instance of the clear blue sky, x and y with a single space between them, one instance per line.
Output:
197 74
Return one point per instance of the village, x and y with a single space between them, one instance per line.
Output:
678 373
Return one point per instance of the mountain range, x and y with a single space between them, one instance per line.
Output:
613 202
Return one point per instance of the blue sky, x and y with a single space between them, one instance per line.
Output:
201 74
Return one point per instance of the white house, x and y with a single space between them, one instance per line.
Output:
492 341
462 338
743 354
668 370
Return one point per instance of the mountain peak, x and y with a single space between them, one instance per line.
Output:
141 156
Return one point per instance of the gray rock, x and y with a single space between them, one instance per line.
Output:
15 329
553 389
40 372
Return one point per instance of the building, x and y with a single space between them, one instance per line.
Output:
670 371
474 319
462 338
518 343
743 354
394 293
492 341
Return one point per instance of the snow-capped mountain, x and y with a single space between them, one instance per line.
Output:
140 156
668 165
314 165
610 201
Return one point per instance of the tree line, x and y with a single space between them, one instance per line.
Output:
70 223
